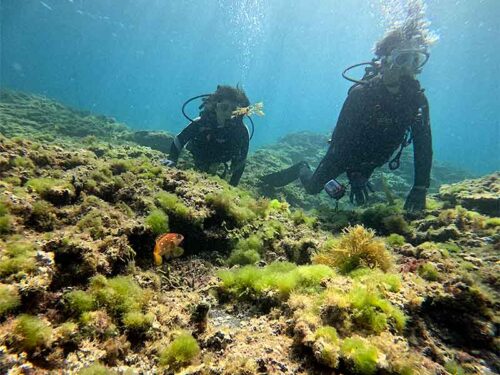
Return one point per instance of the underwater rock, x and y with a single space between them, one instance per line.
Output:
156 140
61 257
481 195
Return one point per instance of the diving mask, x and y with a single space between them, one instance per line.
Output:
413 59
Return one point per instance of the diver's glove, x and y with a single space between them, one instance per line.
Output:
416 199
360 186
168 162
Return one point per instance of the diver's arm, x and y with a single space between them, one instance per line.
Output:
182 138
422 154
238 162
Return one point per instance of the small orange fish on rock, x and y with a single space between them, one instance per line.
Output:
167 245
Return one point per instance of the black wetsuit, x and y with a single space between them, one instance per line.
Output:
210 143
371 127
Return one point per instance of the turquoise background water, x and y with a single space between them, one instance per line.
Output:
138 60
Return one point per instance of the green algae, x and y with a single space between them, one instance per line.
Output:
363 355
247 251
9 298
119 295
357 247
181 351
17 258
96 369
31 332
172 204
279 277
429 272
137 321
395 240
157 221
79 301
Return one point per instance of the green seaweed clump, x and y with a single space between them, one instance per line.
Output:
247 251
395 240
300 217
119 295
362 354
43 185
230 205
79 301
385 219
42 216
326 346
374 312
157 221
96 369
9 298
31 332
172 204
137 321
454 368
5 219
428 271
181 351
356 248
279 277
19 257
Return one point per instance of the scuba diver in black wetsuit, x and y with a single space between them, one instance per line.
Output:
218 135
384 111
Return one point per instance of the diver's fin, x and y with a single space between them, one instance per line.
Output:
285 176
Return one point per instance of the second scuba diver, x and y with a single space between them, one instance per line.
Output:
218 135
384 111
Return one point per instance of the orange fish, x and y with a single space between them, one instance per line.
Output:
167 244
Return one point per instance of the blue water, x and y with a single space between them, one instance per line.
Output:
138 60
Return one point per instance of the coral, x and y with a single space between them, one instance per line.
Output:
157 221
181 351
9 298
31 333
357 247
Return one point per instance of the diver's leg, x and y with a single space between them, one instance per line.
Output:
285 176
315 181
202 165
